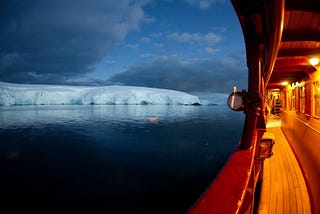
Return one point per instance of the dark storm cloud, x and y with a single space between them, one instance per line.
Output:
197 75
48 41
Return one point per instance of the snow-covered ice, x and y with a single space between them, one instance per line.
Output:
25 94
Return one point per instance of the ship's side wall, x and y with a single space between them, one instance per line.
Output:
300 122
303 133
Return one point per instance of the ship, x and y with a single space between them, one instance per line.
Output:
276 165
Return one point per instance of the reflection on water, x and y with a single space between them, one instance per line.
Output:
111 158
32 115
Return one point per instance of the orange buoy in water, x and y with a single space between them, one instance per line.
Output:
153 119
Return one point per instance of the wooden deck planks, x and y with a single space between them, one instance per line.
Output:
283 187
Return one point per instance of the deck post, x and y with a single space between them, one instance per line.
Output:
254 83
260 60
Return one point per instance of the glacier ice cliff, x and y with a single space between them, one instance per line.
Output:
25 94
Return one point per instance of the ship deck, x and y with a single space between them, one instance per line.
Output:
283 188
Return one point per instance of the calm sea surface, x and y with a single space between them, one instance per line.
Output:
110 159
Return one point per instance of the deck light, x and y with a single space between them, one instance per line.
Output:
314 61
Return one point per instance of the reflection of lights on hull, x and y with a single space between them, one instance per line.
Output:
232 102
233 97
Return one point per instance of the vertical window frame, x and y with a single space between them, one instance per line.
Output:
302 99
316 99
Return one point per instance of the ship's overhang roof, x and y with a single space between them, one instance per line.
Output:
299 39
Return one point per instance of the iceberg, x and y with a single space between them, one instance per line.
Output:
29 94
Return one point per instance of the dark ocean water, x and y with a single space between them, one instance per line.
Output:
110 159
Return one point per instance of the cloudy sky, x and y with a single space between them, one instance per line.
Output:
187 45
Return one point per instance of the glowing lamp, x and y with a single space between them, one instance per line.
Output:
284 83
314 61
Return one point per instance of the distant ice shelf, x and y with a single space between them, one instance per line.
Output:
25 94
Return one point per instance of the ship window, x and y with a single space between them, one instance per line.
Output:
302 99
297 99
289 97
293 99
316 96
307 94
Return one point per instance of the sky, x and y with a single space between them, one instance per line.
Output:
185 45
